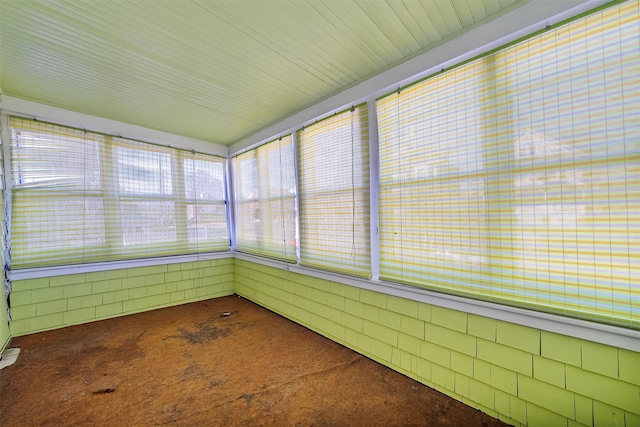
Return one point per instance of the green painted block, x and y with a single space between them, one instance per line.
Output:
390 319
23 312
350 337
146 271
438 376
45 294
504 379
336 301
42 323
605 389
173 267
482 393
584 409
482 371
177 296
571 423
380 332
502 402
189 294
401 359
409 343
546 396
77 290
82 315
49 307
549 371
132 282
134 305
454 340
68 279
421 367
600 358
424 312
606 415
109 310
412 326
122 295
91 300
154 279
629 366
540 417
509 421
451 319
462 363
320 297
28 284
518 409
102 286
373 298
352 322
227 268
403 306
632 419
561 348
482 327
371 313
137 293
156 289
462 385
435 354
364 343
74 303
172 276
184 284
507 357
20 298
520 337
350 292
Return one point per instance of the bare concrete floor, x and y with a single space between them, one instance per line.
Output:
221 362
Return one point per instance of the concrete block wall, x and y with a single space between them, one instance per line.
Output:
58 301
521 375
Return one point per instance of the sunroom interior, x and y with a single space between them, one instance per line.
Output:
450 188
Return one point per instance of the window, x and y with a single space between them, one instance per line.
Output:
81 197
333 171
265 200
515 177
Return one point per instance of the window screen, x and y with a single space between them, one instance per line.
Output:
80 196
265 200
516 177
333 171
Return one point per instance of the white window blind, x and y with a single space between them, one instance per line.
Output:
265 200
333 173
516 177
80 197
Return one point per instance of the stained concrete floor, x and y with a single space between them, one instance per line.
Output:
221 362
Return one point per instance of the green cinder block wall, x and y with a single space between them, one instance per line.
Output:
58 301
521 375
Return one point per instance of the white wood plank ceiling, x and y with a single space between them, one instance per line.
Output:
214 70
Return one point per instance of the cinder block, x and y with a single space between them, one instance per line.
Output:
435 354
606 415
540 417
584 409
82 315
77 290
605 389
403 306
68 279
49 307
561 348
28 284
600 358
451 319
507 357
462 363
517 336
373 298
546 396
454 340
549 371
482 327
108 310
412 326
409 343
44 294
629 366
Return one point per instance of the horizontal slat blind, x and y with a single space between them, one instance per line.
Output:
516 177
79 196
264 189
333 173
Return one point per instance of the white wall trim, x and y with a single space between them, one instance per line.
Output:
628 339
46 113
36 273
